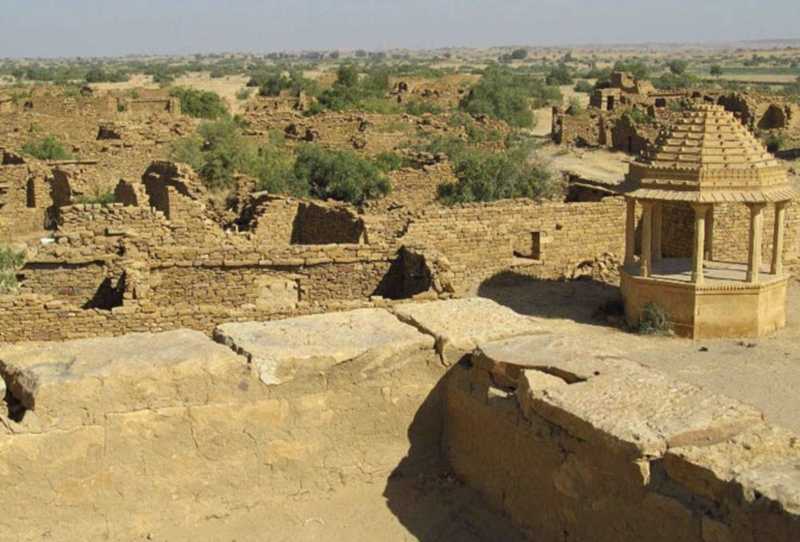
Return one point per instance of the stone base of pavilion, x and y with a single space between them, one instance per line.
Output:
725 305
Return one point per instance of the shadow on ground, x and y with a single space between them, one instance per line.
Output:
428 499
583 300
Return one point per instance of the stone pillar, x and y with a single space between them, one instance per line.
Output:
777 238
630 231
709 248
647 238
754 249
658 214
698 251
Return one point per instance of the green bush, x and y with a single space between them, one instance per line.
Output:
10 262
387 161
340 175
220 150
637 116
418 108
200 103
48 148
559 75
775 142
583 86
490 176
505 95
653 320
350 91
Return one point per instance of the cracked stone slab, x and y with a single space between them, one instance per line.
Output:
641 413
459 325
281 350
562 357
712 470
75 382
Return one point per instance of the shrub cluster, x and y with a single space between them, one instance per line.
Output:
48 148
200 103
508 96
221 150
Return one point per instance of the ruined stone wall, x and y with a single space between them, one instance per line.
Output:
581 130
480 240
319 224
273 223
17 182
75 284
613 451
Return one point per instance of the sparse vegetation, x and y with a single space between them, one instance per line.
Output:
10 262
103 197
653 320
775 142
48 148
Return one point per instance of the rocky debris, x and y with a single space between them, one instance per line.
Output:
283 350
604 268
76 382
459 325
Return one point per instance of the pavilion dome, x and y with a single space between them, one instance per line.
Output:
709 156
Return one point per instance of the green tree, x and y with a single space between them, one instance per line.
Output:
715 70
677 66
559 75
519 54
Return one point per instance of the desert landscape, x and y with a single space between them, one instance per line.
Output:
467 293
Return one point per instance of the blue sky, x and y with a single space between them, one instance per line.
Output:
54 28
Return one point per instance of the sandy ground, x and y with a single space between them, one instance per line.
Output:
764 372
427 506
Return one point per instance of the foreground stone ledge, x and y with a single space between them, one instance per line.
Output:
459 325
569 444
283 350
78 382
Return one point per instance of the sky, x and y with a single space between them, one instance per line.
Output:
69 28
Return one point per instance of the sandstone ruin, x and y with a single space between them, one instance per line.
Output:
174 367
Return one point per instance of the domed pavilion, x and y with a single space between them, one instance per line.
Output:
709 161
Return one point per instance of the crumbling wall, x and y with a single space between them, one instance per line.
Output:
22 201
584 130
547 239
320 224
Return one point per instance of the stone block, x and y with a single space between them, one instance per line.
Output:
282 350
78 382
460 325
